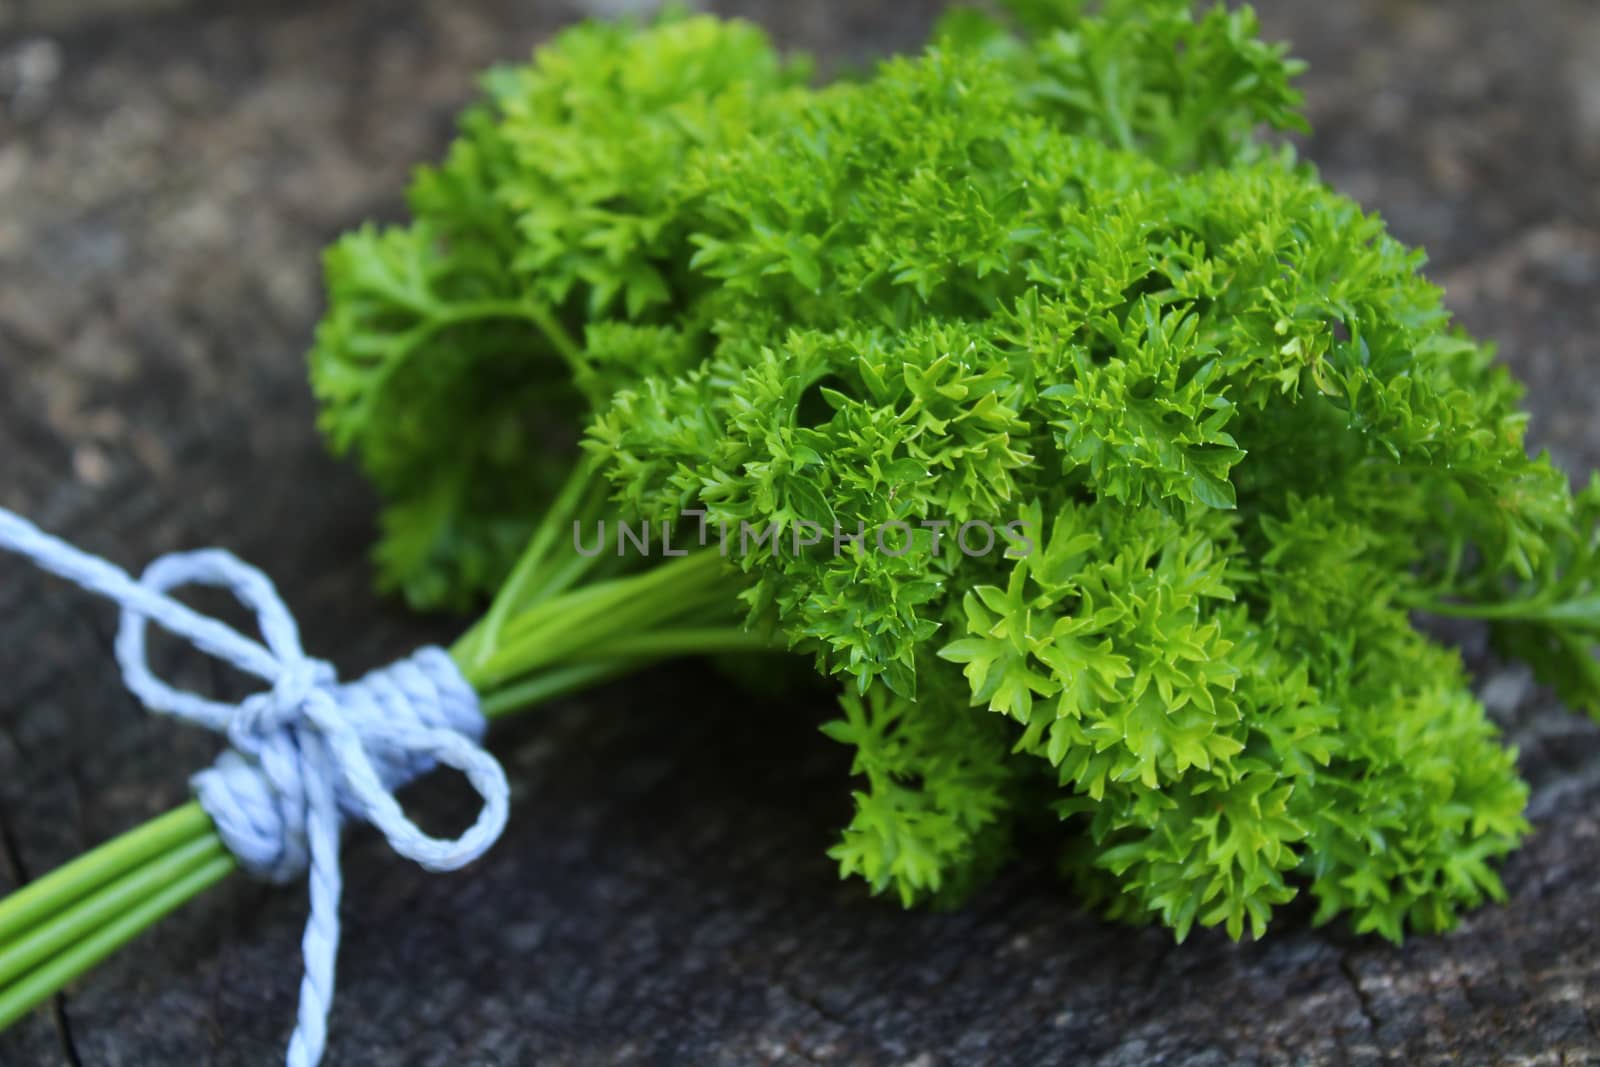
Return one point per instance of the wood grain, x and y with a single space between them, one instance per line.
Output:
168 173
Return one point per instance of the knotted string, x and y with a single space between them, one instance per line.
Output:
307 753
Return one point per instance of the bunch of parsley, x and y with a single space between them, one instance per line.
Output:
1045 272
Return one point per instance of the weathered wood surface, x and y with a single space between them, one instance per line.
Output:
168 171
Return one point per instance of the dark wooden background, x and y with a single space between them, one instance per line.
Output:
168 173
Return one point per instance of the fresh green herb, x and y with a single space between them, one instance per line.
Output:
1051 277
1046 278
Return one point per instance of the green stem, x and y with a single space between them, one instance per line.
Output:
527 583
553 581
588 635
106 904
544 634
636 602
434 316
43 982
540 316
543 647
64 886
620 657
1580 612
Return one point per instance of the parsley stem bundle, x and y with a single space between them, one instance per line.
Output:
540 641
57 928
1047 278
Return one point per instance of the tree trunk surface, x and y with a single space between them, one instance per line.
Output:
169 171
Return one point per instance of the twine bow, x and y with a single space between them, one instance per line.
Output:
307 753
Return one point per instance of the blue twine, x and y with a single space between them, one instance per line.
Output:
307 753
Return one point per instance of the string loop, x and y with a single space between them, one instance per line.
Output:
308 752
